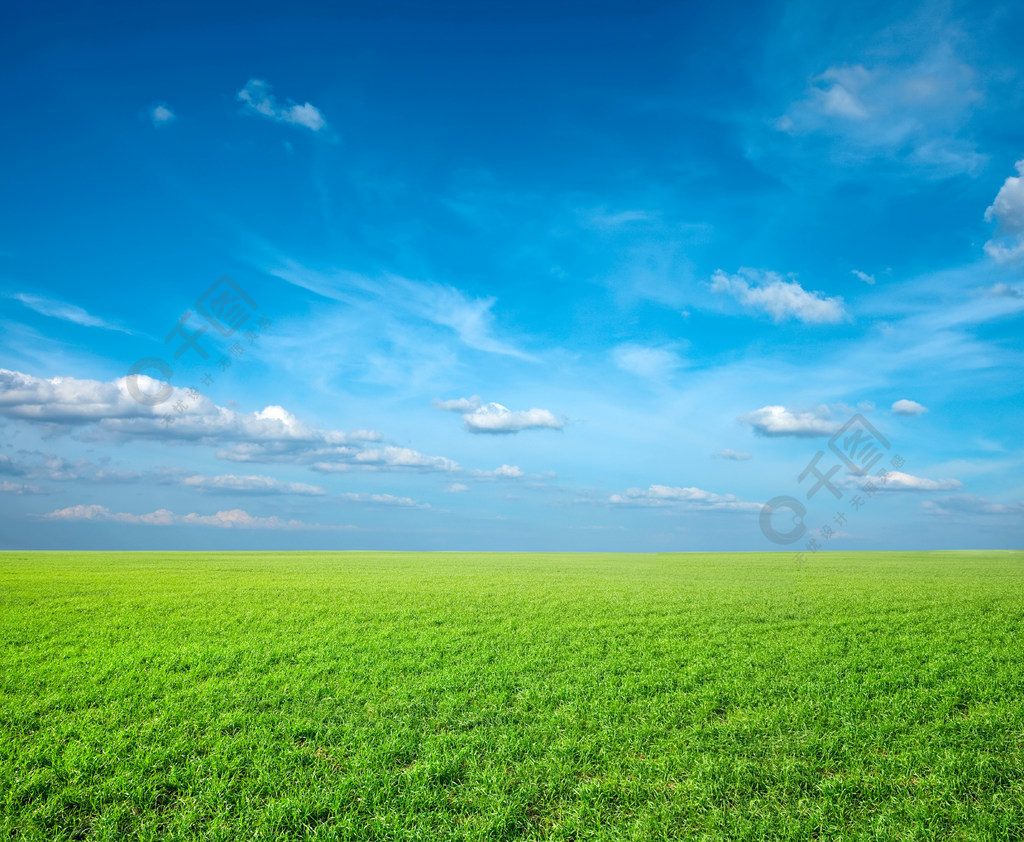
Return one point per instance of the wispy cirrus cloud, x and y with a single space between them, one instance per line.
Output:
65 312
911 112
650 362
771 293
470 318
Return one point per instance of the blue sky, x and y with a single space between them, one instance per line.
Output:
560 276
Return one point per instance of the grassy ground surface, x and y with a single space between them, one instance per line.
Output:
500 696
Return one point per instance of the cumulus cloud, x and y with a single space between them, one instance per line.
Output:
1008 212
779 421
227 519
688 498
257 97
734 455
161 115
899 481
651 362
495 418
770 293
908 407
270 435
64 311
479 417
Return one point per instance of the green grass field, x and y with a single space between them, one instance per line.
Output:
501 696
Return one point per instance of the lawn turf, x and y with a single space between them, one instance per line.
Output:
361 695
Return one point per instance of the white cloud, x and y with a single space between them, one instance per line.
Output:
908 407
240 519
899 481
648 361
227 519
503 472
8 487
257 97
248 485
272 434
779 298
602 219
403 457
864 276
69 400
779 421
161 115
459 404
1008 211
495 418
383 500
972 504
471 319
456 488
64 311
1004 291
734 455
689 498
911 113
